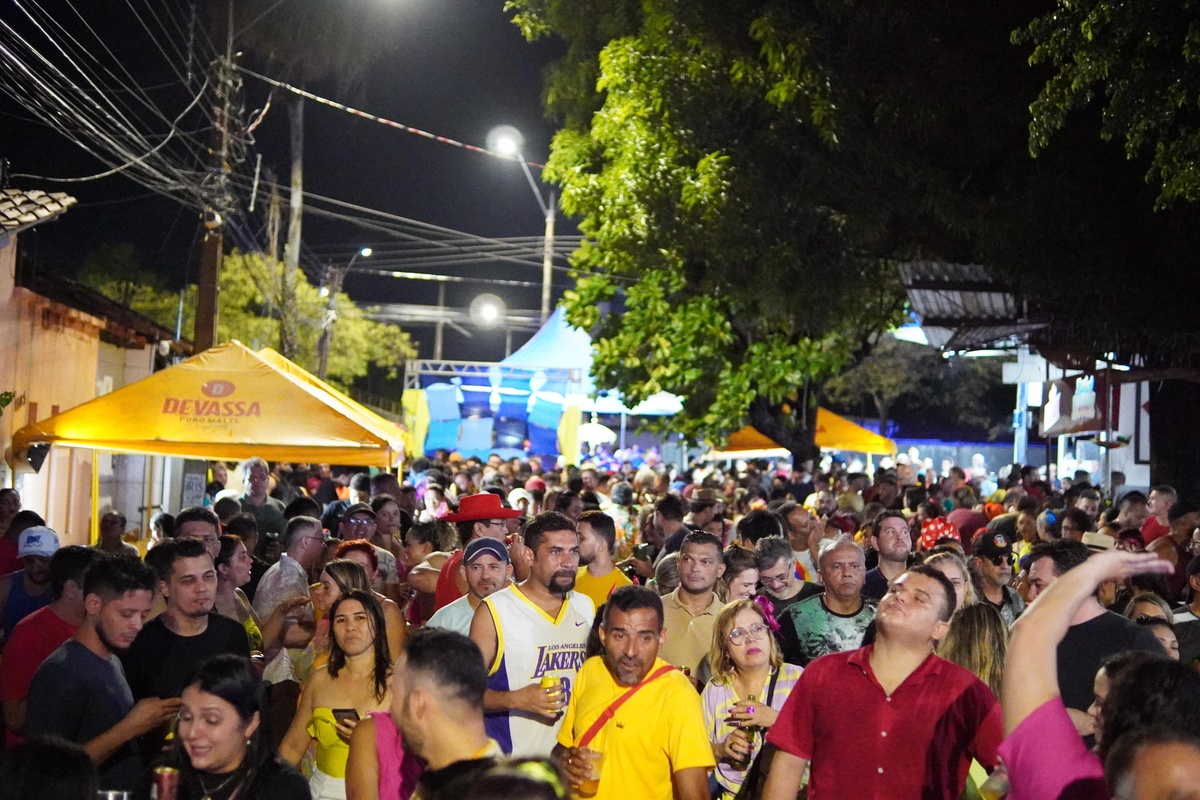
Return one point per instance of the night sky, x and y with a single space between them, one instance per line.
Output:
458 68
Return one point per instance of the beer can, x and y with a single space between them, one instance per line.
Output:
166 784
551 683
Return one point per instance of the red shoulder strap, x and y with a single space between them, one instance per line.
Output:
603 719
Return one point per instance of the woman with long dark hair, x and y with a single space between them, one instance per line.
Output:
354 683
220 747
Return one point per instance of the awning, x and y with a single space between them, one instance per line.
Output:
227 403
833 433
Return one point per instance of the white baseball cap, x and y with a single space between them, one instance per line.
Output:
37 541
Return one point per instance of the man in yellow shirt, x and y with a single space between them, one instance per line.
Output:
653 744
598 577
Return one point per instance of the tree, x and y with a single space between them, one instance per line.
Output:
747 175
306 41
894 370
1145 60
249 316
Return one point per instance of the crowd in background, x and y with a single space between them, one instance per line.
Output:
497 628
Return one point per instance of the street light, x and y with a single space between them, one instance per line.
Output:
329 290
507 140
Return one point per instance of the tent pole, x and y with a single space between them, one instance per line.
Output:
94 523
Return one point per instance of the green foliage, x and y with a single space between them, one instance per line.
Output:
747 174
953 395
357 343
247 315
1144 58
894 369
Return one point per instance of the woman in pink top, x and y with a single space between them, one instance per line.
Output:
379 768
1044 754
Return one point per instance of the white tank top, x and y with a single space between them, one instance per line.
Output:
532 645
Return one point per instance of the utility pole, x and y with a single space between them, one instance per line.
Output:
213 248
334 276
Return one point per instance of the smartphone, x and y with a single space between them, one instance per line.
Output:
642 551
344 714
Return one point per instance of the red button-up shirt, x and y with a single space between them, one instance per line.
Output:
862 743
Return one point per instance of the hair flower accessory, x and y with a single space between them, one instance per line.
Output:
768 610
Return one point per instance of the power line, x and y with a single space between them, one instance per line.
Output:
383 120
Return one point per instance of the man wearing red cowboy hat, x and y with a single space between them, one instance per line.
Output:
478 515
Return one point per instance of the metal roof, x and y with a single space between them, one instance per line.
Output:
24 208
961 306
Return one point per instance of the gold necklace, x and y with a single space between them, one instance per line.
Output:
208 793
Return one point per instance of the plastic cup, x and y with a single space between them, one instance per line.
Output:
592 784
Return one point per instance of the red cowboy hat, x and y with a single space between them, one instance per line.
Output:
484 505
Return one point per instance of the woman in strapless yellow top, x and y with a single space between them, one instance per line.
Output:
354 683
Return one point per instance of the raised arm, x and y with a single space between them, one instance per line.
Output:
1031 669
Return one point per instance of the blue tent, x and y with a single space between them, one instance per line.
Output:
478 408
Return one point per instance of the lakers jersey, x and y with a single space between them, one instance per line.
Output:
532 645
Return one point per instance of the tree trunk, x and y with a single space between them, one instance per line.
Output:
799 440
1175 436
289 314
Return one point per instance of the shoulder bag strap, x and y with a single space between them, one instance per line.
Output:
603 719
771 685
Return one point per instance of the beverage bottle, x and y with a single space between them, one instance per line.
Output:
751 735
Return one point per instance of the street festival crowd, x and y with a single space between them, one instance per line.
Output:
506 629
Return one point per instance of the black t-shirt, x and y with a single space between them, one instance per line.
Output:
275 781
160 661
1089 643
78 695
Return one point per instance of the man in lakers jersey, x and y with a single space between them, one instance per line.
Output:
534 630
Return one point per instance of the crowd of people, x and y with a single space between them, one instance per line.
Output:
487 628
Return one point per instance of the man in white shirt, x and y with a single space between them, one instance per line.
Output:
487 570
303 543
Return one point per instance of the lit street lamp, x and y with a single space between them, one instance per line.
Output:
330 288
508 141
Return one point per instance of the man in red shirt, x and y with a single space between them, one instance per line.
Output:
890 721
1158 504
41 633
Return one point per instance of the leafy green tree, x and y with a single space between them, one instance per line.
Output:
358 343
747 174
893 370
1144 59
303 42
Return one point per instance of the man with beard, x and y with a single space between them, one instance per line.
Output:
598 576
892 539
835 620
532 630
691 610
80 693
890 719
169 647
487 570
655 745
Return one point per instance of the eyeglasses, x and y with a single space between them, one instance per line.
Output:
751 634
498 523
1000 560
359 523
773 580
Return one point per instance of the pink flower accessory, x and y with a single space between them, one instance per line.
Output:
768 610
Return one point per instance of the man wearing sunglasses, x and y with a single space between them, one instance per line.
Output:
993 563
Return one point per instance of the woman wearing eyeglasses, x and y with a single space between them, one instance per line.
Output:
749 686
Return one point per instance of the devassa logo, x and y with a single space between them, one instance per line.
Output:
218 388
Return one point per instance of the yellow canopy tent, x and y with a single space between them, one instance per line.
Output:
227 403
833 433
